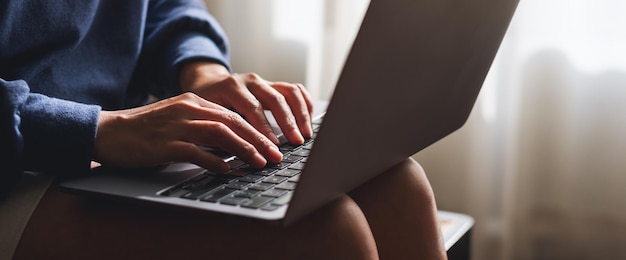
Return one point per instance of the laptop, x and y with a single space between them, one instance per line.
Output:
411 78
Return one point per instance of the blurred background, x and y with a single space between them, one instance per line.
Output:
540 164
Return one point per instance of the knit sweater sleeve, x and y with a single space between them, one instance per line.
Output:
41 128
177 32
35 131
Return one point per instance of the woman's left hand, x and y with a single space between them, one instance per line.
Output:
249 95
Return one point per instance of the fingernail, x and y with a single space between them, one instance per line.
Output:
309 131
277 156
259 160
298 135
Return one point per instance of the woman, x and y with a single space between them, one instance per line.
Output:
75 78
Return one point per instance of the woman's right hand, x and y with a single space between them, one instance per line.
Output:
171 131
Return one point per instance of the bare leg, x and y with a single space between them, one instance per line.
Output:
400 207
64 226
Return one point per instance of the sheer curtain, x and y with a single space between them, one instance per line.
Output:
302 41
541 162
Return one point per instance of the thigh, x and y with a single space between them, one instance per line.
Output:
17 207
400 207
66 226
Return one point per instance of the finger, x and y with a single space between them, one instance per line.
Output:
243 129
246 104
298 104
307 98
216 134
189 109
231 133
188 152
273 100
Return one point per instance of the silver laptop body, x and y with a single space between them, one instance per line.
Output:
411 78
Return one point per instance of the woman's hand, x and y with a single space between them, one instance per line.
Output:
250 95
171 130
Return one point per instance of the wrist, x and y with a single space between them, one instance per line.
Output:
195 74
105 131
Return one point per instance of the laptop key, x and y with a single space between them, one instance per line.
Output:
195 194
237 185
295 178
216 195
270 207
262 186
239 172
252 178
248 193
275 179
225 178
200 183
288 172
278 166
291 158
256 202
171 191
302 152
309 140
289 146
274 193
286 186
264 172
231 200
283 200
297 166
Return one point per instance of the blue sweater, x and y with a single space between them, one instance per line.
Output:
63 61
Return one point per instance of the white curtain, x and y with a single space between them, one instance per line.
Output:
541 163
303 41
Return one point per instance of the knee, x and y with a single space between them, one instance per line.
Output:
410 166
410 174
342 232
345 214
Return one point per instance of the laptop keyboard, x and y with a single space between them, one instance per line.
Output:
267 188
